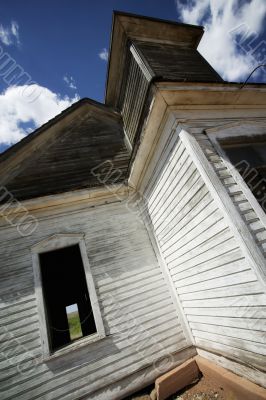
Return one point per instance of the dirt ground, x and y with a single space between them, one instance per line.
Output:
204 389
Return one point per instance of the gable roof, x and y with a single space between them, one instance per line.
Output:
63 154
31 136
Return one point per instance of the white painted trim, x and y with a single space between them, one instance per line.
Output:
220 195
92 291
40 305
56 242
212 87
127 141
248 128
107 193
139 58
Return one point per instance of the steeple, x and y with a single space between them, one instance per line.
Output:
165 51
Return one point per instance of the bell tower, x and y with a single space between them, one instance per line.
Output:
145 51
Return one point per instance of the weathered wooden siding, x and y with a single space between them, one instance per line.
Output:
256 227
67 161
221 296
135 86
177 63
139 316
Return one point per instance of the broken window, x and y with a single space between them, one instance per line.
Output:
68 308
249 158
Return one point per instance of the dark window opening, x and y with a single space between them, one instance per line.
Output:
65 292
249 158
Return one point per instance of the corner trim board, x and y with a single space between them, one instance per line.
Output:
222 198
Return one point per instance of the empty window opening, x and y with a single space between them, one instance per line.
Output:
65 289
249 158
73 320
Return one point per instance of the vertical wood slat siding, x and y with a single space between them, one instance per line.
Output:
221 297
136 305
133 97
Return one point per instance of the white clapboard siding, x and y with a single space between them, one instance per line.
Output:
219 292
240 201
139 316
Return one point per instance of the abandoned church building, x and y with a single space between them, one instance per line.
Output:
133 233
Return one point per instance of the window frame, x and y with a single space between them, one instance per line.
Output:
247 129
55 242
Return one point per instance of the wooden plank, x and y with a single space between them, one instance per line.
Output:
238 343
201 222
232 335
188 219
218 261
223 272
235 290
210 229
245 325
176 63
258 300
238 312
218 245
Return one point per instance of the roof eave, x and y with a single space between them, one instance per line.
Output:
126 26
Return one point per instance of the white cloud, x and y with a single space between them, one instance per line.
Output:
15 110
10 35
104 54
70 81
14 30
231 40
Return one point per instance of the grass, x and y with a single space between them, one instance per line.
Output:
74 325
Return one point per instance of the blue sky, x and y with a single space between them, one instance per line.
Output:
65 37
59 43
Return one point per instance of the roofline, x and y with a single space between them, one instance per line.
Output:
252 85
127 14
109 56
246 84
17 146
